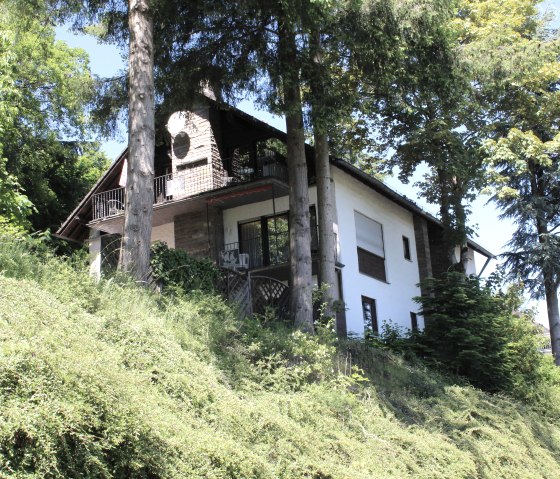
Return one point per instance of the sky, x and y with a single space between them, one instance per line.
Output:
490 232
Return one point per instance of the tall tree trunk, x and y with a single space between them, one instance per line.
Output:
325 217
135 254
460 224
551 292
301 307
550 286
325 207
449 260
453 217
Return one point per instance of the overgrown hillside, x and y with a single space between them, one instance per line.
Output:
104 380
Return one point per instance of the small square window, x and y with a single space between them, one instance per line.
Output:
406 247
370 316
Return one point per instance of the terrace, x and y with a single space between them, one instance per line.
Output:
195 179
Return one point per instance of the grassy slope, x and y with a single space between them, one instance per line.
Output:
107 381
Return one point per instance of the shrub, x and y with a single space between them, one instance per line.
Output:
476 331
174 268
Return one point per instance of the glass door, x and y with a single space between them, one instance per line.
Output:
250 242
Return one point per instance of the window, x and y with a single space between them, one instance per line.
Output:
266 239
371 253
370 316
181 145
413 322
406 248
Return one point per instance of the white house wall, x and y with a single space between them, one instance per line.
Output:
234 216
470 266
393 298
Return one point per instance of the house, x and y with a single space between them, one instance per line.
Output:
221 191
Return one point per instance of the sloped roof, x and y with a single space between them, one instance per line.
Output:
70 229
74 226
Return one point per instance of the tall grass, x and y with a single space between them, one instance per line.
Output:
106 380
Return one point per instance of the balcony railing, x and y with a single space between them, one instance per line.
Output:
275 251
191 182
269 251
267 165
108 203
111 202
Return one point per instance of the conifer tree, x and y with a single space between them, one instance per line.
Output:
514 56
139 194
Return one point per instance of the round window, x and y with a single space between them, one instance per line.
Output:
181 144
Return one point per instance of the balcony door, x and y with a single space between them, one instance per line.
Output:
266 240
250 242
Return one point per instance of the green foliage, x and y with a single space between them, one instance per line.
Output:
108 380
514 56
175 268
476 332
45 91
392 337
15 207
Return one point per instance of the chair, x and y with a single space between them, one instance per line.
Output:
229 258
243 261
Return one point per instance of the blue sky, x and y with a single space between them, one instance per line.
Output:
492 233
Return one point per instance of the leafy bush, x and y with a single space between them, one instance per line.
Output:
392 337
175 268
476 331
112 381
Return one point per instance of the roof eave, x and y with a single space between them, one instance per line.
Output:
403 201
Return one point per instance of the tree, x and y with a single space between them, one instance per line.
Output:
347 42
430 115
45 93
139 190
54 174
252 47
321 19
525 173
301 305
15 207
131 23
515 59
479 332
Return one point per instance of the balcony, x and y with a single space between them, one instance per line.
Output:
263 251
260 251
193 181
268 164
111 203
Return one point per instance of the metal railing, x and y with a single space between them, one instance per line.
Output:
203 175
166 187
108 203
267 165
268 251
